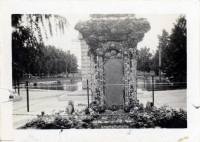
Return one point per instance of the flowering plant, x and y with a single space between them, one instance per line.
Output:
152 117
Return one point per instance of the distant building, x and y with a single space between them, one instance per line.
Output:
85 62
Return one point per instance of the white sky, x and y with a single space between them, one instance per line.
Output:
157 23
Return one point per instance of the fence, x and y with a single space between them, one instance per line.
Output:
150 91
145 83
70 85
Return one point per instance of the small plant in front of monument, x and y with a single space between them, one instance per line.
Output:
87 111
126 108
70 107
114 107
102 108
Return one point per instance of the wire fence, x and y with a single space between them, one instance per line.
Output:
147 92
70 85
73 86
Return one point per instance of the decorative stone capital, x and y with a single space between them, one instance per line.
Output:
120 28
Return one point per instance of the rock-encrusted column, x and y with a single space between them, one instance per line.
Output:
93 77
100 79
133 76
126 77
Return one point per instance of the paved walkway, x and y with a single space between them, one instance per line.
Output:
42 100
53 100
174 98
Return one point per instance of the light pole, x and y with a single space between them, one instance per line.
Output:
159 64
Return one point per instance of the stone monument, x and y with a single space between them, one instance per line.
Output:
112 41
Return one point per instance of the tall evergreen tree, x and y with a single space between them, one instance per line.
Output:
176 63
173 52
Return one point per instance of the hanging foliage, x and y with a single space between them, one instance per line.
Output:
40 22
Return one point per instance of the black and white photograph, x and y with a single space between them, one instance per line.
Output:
99 71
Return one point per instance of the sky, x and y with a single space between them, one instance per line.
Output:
68 41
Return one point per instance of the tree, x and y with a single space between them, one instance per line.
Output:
38 23
143 62
175 62
40 59
55 61
162 48
27 39
72 66
24 44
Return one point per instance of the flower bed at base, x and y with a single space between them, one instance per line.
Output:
149 117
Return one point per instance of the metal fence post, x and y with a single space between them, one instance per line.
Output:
153 89
27 96
88 93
